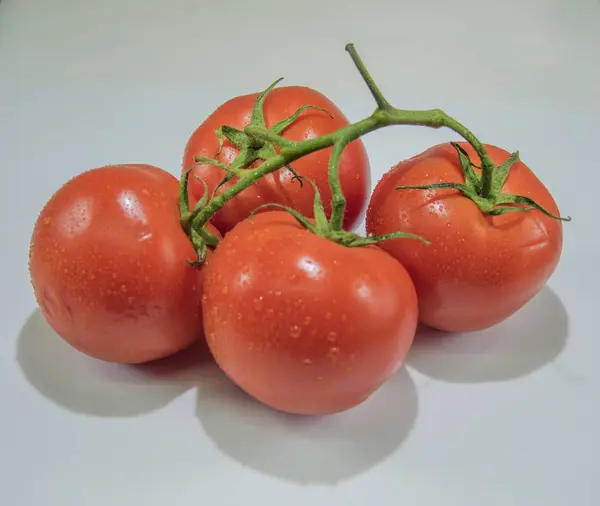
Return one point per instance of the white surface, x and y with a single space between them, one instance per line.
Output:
507 417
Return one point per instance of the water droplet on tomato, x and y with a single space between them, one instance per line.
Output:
258 303
295 332
333 353
332 336
307 361
293 278
277 293
307 320
239 316
123 288
225 290
250 346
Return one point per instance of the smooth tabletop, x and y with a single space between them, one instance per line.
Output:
505 417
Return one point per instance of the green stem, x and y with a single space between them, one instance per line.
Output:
263 134
381 101
487 165
338 200
246 180
444 120
257 142
385 115
291 151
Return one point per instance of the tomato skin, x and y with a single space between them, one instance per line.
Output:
302 324
279 187
108 265
479 269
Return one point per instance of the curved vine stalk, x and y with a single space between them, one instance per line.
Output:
484 190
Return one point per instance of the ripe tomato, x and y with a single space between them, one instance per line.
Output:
478 269
108 264
280 187
301 323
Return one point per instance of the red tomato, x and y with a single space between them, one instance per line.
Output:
479 269
301 323
280 187
108 264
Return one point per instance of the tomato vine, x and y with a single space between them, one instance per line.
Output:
257 142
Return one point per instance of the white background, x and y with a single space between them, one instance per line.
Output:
510 416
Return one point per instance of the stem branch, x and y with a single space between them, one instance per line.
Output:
487 166
262 138
382 103
257 142
291 151
338 200
268 136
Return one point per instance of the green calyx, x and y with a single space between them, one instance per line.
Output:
201 238
327 228
252 148
485 190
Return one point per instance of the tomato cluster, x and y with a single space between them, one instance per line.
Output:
304 318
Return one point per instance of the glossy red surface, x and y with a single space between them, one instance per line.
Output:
301 323
478 269
108 264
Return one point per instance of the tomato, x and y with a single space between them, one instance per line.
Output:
280 187
108 265
301 323
479 269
